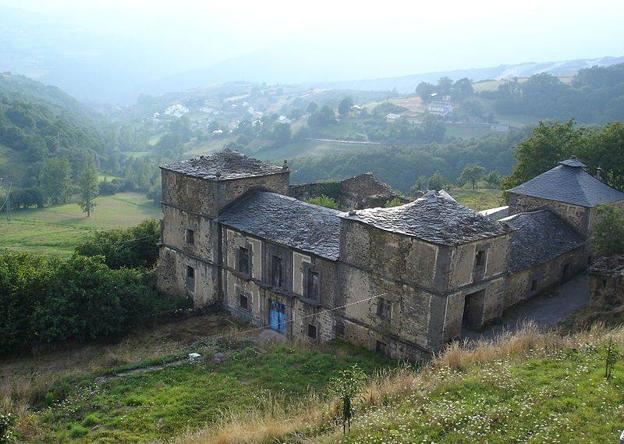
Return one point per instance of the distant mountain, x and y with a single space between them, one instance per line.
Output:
408 83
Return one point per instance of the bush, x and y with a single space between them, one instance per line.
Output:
131 247
7 421
323 201
109 188
80 299
608 238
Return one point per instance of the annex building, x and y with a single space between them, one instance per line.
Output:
403 280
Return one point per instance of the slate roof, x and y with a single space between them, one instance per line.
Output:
223 165
287 221
538 237
436 217
568 182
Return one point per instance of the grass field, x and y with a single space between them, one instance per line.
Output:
81 399
56 230
526 387
479 199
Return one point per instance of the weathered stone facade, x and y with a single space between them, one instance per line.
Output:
606 282
403 281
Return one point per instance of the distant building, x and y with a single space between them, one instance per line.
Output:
392 117
176 110
440 108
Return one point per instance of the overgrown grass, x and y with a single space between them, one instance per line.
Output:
525 387
479 199
156 404
57 230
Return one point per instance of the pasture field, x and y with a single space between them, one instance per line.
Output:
479 199
57 230
130 392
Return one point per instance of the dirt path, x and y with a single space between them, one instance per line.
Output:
546 310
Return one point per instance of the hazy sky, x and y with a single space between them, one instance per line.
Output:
383 37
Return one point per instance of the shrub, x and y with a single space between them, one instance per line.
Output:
109 188
608 238
7 421
323 201
80 298
131 247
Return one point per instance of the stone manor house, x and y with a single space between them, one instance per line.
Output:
403 280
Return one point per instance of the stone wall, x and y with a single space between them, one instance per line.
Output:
577 216
528 283
172 277
300 311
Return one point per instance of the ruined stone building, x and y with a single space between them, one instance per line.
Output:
403 280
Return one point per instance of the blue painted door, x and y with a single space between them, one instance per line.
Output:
277 317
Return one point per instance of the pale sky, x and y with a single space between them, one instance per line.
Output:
397 37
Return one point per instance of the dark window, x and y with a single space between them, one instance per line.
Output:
312 285
534 285
190 237
384 309
380 347
190 278
340 329
243 301
566 271
312 331
244 261
604 283
276 271
480 258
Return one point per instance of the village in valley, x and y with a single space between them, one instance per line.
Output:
250 223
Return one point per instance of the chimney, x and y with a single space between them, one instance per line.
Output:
285 166
599 174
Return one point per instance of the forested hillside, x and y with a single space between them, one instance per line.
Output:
594 95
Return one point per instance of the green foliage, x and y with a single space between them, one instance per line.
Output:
437 182
612 356
130 247
7 421
550 143
388 107
88 188
608 237
472 174
161 404
595 95
344 107
323 117
55 180
493 179
393 203
345 385
323 201
281 134
80 298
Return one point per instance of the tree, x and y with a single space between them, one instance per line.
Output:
325 116
462 89
55 180
424 90
436 182
444 86
312 107
493 179
88 188
608 237
433 128
281 134
345 106
472 174
346 385
548 144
